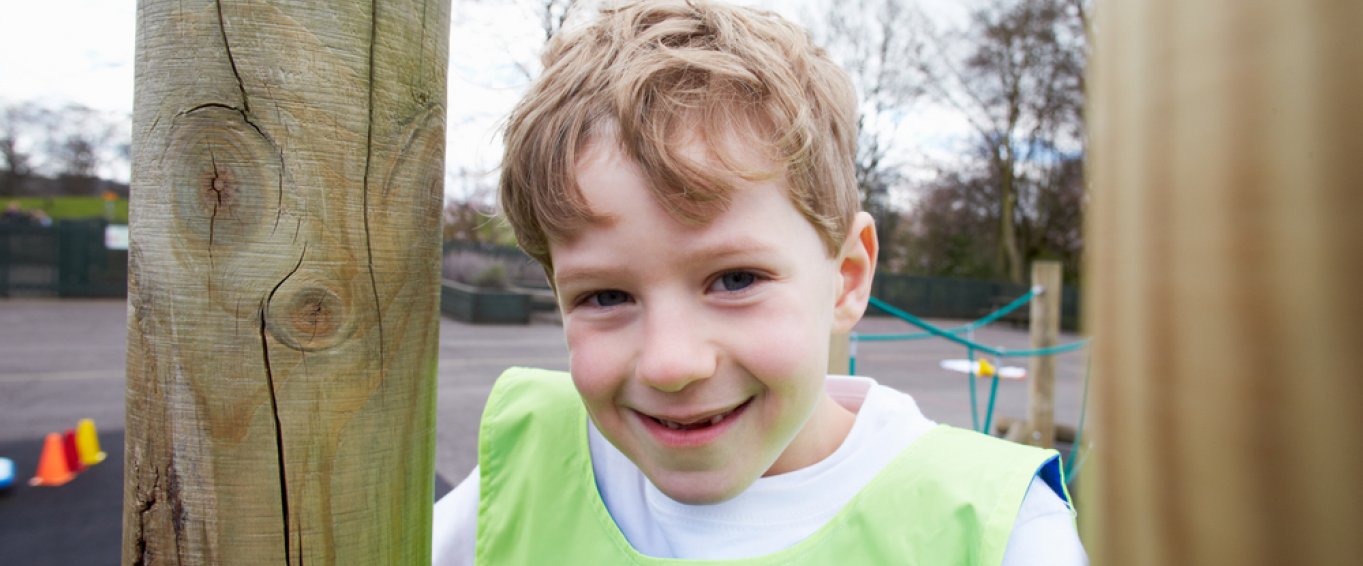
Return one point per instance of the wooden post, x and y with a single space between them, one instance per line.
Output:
283 281
839 350
1045 332
1225 259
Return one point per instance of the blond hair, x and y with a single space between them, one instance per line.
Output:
654 72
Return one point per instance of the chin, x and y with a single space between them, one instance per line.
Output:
699 490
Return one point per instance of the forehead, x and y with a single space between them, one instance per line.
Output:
693 174
695 189
632 230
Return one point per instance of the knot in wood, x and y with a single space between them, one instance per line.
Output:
224 175
220 188
310 318
315 313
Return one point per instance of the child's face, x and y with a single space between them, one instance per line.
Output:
700 351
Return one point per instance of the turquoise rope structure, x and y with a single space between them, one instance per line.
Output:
1072 467
963 329
993 395
999 352
852 354
974 404
972 347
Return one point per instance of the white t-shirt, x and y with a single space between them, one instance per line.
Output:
776 511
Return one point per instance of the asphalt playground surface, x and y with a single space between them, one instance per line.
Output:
62 360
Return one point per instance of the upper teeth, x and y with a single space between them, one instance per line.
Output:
678 426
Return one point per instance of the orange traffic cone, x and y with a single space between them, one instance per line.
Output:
52 470
87 443
72 455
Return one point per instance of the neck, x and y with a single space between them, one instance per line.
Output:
822 434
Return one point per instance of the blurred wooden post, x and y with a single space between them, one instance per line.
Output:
1225 261
288 160
838 353
1045 332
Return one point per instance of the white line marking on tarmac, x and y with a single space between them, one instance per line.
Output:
505 362
96 375
99 374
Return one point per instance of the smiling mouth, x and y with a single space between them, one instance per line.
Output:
701 423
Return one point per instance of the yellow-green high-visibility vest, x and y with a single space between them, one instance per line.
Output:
950 498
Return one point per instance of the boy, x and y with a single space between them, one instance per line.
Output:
683 171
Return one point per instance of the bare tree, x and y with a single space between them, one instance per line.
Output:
471 215
1051 225
72 140
880 45
552 16
1018 80
470 211
79 143
19 138
954 221
949 226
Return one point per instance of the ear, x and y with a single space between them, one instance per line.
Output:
856 267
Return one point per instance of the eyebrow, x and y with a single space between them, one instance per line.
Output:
722 250
587 273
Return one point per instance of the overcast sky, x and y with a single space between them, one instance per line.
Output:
58 52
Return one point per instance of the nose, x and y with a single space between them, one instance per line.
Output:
675 350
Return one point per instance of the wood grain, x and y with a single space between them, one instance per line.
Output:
1225 255
288 160
1044 329
839 353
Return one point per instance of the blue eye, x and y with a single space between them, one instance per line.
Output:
736 280
609 298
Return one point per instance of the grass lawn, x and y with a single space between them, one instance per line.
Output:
74 207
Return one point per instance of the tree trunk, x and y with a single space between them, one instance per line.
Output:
1008 232
1225 257
1009 257
283 281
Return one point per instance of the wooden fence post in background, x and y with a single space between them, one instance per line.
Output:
839 353
282 329
1045 332
1225 260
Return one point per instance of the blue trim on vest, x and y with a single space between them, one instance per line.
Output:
1053 474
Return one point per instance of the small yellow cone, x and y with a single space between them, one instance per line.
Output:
87 443
986 369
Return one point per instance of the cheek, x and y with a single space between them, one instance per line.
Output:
790 345
596 366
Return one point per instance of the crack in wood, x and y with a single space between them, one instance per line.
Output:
245 117
368 160
213 185
208 105
279 152
425 41
241 86
274 404
176 509
279 204
246 109
144 504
